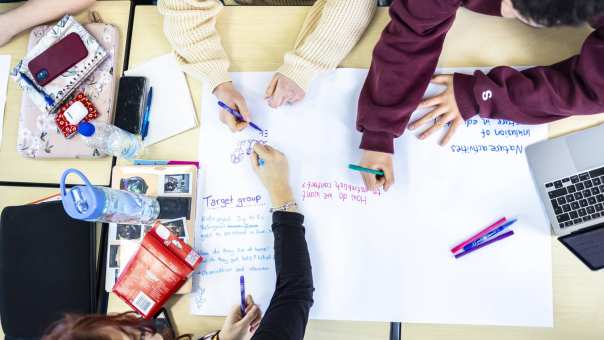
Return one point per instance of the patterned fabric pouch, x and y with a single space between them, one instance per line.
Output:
38 135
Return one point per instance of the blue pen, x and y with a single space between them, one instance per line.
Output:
261 162
237 115
489 235
242 291
47 98
145 126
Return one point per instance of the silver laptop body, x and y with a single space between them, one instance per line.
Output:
568 172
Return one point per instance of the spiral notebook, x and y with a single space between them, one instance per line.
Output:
61 87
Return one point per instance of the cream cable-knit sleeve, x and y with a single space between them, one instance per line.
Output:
190 26
331 29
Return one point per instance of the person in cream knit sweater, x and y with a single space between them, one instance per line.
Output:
330 31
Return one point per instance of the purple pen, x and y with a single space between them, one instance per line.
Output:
498 238
242 291
237 115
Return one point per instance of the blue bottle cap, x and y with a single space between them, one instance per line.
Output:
94 198
86 129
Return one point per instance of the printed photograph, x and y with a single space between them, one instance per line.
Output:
177 184
177 227
174 207
114 256
135 184
128 232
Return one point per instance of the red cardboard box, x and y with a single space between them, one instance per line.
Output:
161 265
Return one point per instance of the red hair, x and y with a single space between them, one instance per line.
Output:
94 327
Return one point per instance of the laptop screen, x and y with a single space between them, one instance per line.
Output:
587 245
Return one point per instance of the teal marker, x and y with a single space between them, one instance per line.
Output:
362 169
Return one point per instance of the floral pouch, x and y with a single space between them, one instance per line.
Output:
39 136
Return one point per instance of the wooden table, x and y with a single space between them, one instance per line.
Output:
14 167
256 38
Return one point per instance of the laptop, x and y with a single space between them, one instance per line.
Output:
568 172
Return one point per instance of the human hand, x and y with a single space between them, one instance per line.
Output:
227 93
239 327
377 161
274 173
445 111
283 90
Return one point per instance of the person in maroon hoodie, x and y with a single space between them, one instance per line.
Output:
406 55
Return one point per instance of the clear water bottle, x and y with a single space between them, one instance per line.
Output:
111 140
100 204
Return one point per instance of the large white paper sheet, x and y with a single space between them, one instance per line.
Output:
376 256
4 69
172 110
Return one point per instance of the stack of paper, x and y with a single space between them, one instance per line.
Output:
172 110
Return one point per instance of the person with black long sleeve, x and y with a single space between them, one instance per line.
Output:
287 314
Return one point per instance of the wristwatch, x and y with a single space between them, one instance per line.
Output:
288 206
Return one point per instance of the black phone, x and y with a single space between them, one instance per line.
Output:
131 102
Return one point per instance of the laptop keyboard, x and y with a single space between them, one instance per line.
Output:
577 199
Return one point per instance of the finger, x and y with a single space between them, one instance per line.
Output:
249 300
427 117
437 126
234 315
441 79
388 178
251 315
277 99
254 160
229 120
454 126
429 102
270 90
240 126
242 108
380 181
370 181
263 151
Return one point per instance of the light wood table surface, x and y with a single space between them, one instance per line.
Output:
16 168
256 38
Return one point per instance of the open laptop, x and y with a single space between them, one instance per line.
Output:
568 172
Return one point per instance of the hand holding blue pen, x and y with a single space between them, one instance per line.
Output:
238 116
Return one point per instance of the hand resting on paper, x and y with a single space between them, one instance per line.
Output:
283 90
239 327
445 111
274 173
377 161
227 93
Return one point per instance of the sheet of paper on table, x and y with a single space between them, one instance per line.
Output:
172 110
376 256
4 69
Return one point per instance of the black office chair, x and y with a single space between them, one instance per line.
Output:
47 268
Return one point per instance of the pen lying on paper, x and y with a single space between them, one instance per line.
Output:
238 115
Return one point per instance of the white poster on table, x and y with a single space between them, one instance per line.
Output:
376 256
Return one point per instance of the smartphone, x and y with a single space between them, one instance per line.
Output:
57 59
131 100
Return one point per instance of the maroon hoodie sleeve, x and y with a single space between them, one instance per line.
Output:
537 95
403 63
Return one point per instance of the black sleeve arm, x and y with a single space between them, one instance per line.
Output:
287 314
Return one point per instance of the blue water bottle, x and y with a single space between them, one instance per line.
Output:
100 204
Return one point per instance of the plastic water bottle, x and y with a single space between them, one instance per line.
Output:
111 140
100 204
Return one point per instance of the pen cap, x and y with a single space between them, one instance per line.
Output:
82 202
